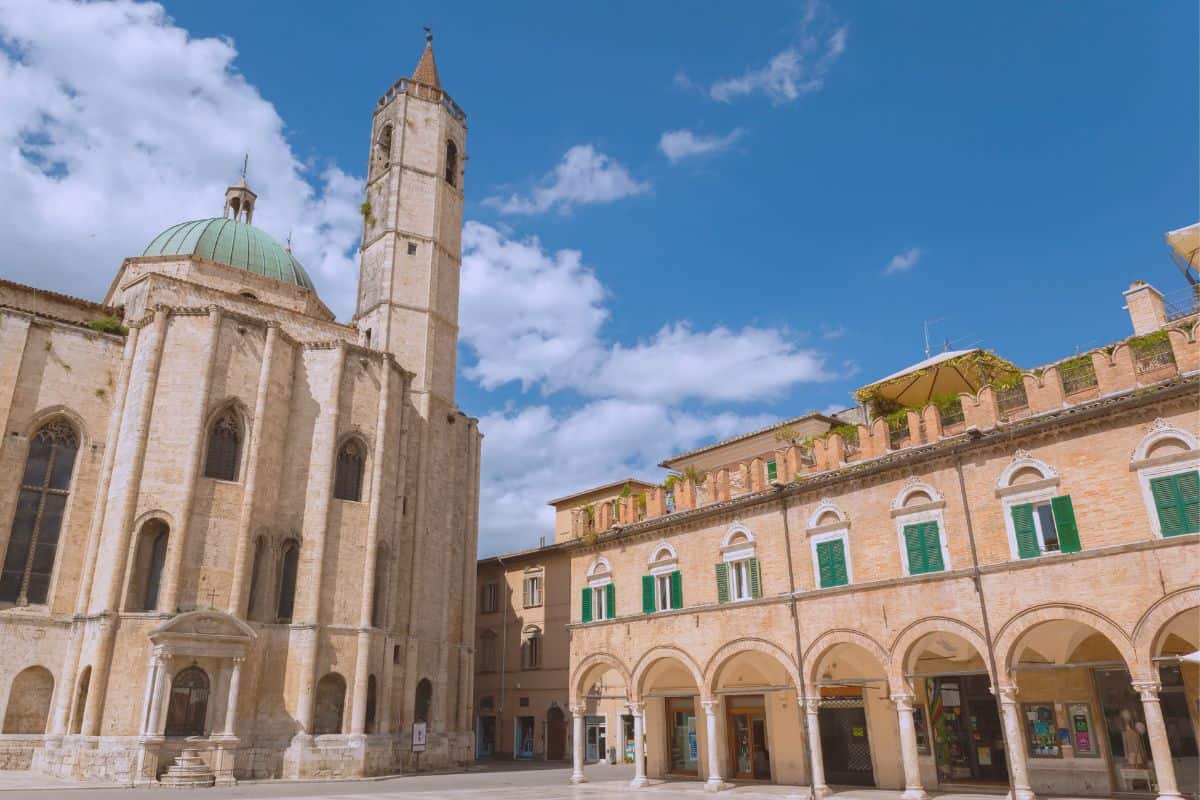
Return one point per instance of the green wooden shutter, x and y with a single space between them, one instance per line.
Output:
1177 499
722 582
1064 521
933 548
831 561
610 598
755 580
586 605
914 547
647 594
1026 533
772 470
676 589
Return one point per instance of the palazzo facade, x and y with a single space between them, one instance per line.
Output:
239 536
981 575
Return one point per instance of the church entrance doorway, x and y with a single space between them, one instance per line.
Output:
187 709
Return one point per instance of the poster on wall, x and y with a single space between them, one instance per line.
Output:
1083 737
1043 734
418 737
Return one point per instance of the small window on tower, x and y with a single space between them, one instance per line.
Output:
451 163
412 248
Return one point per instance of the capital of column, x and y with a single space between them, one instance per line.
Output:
578 711
1007 695
812 705
1147 689
237 660
710 706
637 709
903 701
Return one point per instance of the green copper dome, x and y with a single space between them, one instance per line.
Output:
233 243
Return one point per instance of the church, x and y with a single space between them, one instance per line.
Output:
239 536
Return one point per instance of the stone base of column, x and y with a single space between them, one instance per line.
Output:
820 792
1021 794
715 784
638 782
223 759
914 793
578 778
1170 797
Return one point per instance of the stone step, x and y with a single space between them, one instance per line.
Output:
188 771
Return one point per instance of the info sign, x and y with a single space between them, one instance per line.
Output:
418 737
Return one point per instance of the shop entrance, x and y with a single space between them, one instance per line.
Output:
524 737
845 750
968 736
595 733
487 737
750 752
627 738
556 734
681 736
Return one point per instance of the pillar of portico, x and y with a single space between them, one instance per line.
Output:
1160 746
231 703
812 706
154 721
1021 790
913 790
714 782
639 749
577 745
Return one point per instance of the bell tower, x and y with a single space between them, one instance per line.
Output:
412 230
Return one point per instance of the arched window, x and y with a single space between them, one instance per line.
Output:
29 702
289 565
424 701
25 577
379 593
149 558
1167 462
371 702
81 695
187 709
383 149
347 484
531 647
257 578
224 447
451 162
330 703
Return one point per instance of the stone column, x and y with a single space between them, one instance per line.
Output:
913 790
155 722
1014 742
577 744
235 685
714 782
811 706
1160 747
151 680
639 748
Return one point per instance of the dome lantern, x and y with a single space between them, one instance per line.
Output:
240 199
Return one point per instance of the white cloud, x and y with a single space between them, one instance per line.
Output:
583 177
681 144
117 124
797 70
536 453
903 261
537 317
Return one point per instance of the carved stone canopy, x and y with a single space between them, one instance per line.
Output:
204 633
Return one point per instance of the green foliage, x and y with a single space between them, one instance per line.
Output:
849 433
591 537
365 208
945 403
897 419
788 433
626 490
669 483
641 500
108 325
1004 382
1148 343
1078 362
692 475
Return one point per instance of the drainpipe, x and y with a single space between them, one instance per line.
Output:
977 578
787 540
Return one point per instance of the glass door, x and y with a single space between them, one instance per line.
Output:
749 749
681 736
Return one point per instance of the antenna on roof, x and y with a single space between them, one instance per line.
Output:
245 164
289 242
926 324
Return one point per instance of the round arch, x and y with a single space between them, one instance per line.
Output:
905 643
1148 633
1024 461
826 506
827 641
1011 633
654 656
1161 431
912 488
734 530
712 670
587 665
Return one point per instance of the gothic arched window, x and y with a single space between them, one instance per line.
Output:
451 162
149 559
289 565
424 700
347 483
383 149
29 560
224 447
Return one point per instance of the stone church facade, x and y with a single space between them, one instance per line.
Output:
239 536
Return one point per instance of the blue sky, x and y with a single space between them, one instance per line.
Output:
1017 164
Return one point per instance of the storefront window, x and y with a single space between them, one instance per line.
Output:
1041 730
1083 732
683 748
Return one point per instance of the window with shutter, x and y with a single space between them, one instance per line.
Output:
772 470
586 605
1177 501
676 579
610 601
722 582
1025 531
1064 523
831 563
924 548
755 580
648 594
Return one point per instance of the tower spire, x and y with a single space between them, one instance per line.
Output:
426 71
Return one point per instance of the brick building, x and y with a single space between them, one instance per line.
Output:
230 523
981 575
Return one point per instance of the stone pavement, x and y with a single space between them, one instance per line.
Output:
492 782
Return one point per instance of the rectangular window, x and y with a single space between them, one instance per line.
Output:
1177 501
489 600
600 605
772 470
831 563
1045 527
533 591
662 594
924 548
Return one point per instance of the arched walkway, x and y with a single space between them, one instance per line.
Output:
601 688
1168 636
667 686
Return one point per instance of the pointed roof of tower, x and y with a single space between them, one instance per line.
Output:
426 71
